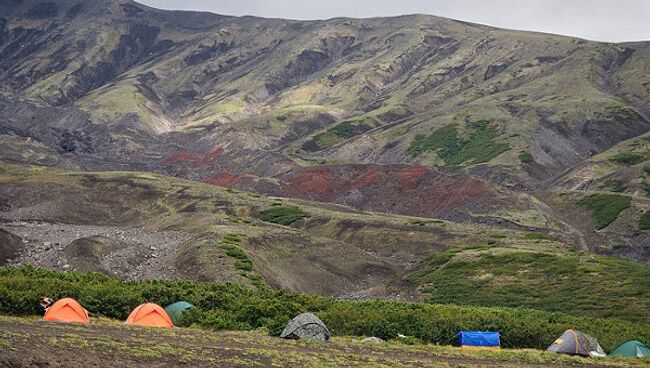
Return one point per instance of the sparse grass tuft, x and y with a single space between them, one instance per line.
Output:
605 207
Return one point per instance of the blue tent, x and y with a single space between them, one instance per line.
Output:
479 339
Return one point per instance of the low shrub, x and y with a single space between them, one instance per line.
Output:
605 207
539 236
628 158
526 158
283 214
234 307
644 221
481 146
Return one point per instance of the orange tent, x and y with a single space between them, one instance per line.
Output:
67 310
149 314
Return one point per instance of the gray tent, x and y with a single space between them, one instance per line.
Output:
306 326
576 343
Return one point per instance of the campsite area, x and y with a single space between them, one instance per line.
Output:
53 344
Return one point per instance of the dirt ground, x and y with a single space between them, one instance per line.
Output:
29 342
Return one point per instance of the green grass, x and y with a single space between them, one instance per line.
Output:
526 158
646 168
614 185
339 133
605 207
628 158
575 284
343 130
644 221
243 262
283 214
478 148
539 236
235 307
620 114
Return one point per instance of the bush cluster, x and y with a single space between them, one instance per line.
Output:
283 214
628 158
480 147
234 307
605 207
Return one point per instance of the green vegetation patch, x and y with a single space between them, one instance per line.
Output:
479 147
243 262
614 185
539 236
526 158
340 132
628 158
620 114
644 221
233 307
574 284
605 208
283 214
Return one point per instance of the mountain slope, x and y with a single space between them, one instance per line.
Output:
413 115
145 226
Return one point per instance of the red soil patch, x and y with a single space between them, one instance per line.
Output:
410 190
224 180
183 157
318 181
411 176
214 153
365 180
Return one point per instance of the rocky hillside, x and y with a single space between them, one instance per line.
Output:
413 115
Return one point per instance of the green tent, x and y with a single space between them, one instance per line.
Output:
632 348
175 310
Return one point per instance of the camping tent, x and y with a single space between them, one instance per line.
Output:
175 310
632 348
67 310
306 326
149 314
576 343
479 339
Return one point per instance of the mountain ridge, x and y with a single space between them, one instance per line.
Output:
484 129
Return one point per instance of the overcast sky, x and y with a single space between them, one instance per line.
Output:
602 20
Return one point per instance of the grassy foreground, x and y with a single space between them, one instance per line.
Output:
125 346
234 307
